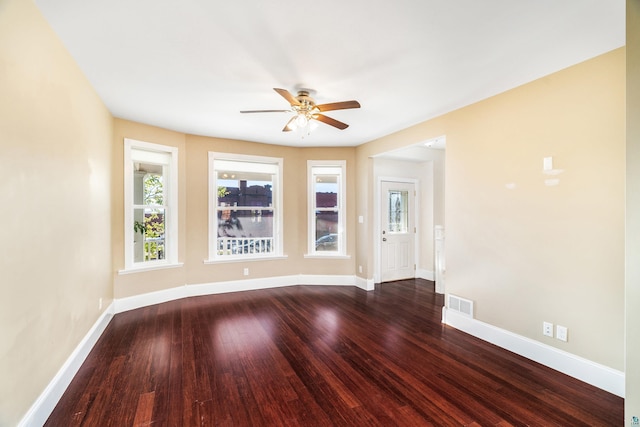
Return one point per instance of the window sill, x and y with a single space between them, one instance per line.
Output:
245 259
144 268
328 256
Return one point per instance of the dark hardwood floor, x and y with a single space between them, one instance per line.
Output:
316 356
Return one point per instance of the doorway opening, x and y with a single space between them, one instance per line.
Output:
397 229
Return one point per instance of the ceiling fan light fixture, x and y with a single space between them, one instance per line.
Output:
301 120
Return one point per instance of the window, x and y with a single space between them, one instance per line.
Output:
245 219
151 214
327 208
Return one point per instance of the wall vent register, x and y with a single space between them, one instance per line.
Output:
461 305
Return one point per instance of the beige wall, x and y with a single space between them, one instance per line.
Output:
55 172
632 336
536 253
543 253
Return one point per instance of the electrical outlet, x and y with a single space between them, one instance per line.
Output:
547 329
99 303
246 271
359 269
561 333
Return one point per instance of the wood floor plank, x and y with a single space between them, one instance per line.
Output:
144 410
316 356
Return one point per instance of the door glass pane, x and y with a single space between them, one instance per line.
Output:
398 211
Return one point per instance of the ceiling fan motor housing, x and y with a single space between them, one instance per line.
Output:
305 99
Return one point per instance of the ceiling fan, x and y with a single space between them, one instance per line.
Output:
305 109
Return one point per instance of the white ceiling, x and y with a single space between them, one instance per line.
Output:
192 65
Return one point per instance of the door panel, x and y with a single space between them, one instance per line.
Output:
403 255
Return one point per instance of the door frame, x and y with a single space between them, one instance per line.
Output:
377 221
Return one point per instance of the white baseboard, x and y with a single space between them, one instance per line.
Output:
366 284
144 300
425 274
598 375
39 412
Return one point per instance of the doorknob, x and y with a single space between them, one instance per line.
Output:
384 239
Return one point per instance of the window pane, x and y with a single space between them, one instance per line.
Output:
326 189
153 189
327 221
149 234
148 188
398 211
244 189
326 231
245 232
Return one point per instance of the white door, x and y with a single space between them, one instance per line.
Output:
397 239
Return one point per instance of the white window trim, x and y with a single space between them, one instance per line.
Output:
171 225
214 258
341 253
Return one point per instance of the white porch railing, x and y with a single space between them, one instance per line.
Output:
244 245
153 248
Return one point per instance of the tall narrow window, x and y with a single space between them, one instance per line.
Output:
151 230
244 207
327 208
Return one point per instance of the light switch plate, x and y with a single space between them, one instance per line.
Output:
561 333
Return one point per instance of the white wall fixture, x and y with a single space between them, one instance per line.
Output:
461 305
439 258
547 329
561 333
547 167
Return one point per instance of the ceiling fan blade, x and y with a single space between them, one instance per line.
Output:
332 122
344 105
290 125
287 95
266 111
